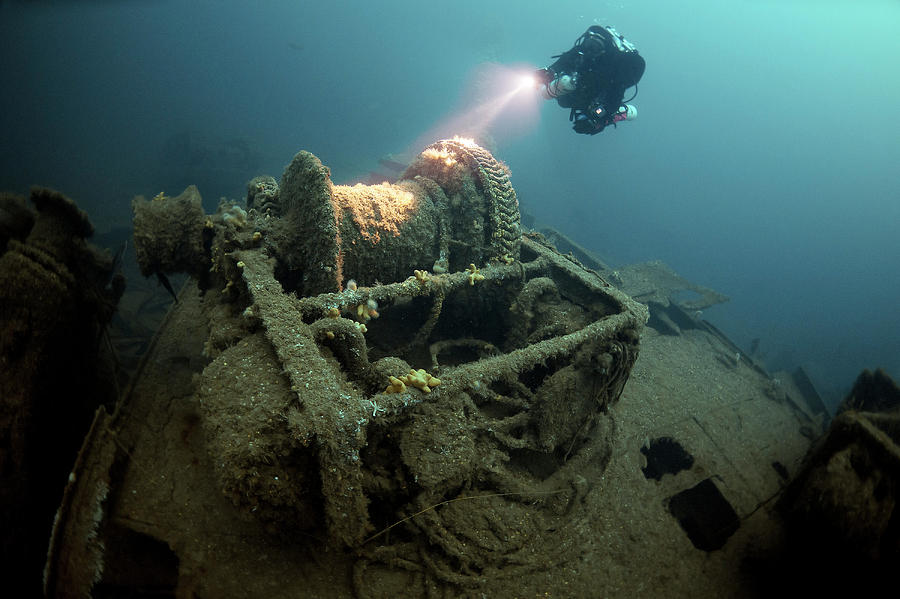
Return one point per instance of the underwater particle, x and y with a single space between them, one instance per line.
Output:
333 312
396 386
474 274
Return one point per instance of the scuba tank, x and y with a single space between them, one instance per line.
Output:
559 87
627 112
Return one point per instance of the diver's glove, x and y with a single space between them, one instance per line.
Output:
544 76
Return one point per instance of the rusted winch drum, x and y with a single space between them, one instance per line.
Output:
453 206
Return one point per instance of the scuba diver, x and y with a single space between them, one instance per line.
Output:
591 79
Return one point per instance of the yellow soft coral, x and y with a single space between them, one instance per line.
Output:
416 378
474 274
421 380
396 386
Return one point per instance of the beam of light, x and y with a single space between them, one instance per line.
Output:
499 103
526 82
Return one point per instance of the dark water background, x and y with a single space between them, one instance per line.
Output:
763 162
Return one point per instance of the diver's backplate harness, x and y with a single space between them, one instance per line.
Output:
592 44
